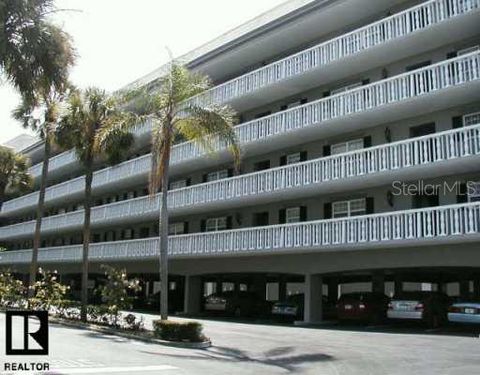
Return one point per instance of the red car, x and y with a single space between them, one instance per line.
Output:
362 306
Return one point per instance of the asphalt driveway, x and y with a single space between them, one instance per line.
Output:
246 348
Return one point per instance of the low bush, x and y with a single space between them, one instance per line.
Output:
178 331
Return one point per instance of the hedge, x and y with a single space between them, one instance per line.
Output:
178 331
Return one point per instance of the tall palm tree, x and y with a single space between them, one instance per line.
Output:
14 177
88 113
173 119
32 49
40 113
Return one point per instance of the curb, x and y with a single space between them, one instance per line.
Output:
92 327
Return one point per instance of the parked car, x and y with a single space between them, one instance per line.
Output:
428 307
237 303
465 311
293 306
362 306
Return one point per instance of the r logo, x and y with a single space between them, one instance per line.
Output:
24 330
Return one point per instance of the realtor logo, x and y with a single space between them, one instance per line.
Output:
26 336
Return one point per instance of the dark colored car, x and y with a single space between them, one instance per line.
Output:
237 303
362 306
428 307
293 308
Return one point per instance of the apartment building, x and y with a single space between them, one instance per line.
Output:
360 136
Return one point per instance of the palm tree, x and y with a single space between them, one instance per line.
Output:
32 49
172 120
40 113
88 113
14 177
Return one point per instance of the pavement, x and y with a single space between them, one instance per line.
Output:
252 348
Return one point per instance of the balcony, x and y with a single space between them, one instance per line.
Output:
66 160
439 225
436 22
440 154
356 51
448 83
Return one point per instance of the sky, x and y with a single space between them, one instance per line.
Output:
118 41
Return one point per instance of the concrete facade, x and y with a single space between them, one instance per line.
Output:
407 102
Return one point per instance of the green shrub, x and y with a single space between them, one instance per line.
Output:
12 291
48 291
115 292
178 331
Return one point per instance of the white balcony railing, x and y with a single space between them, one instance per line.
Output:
401 228
440 76
69 157
427 150
396 26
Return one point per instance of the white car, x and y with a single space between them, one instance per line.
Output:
425 306
464 312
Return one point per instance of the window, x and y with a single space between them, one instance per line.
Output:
176 228
127 234
294 104
144 232
421 130
292 215
352 207
340 148
178 184
468 50
261 165
346 88
293 158
426 198
263 114
216 223
418 66
473 191
471 119
217 175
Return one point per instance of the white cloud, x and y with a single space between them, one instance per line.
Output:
120 41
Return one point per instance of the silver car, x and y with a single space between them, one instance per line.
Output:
464 312
427 307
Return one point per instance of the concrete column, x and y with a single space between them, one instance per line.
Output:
378 283
282 288
333 290
398 285
219 285
259 285
443 287
313 299
193 294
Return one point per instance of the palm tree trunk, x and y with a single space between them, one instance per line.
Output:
2 195
39 216
164 239
86 237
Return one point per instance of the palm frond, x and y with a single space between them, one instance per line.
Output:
14 176
34 53
211 127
